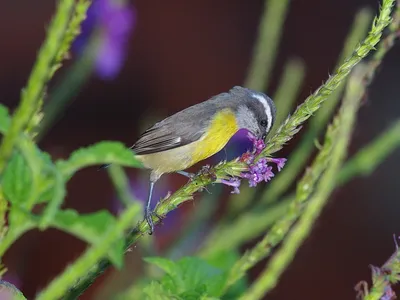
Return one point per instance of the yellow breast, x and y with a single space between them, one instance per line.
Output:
220 131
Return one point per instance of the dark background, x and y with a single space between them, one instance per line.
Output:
182 52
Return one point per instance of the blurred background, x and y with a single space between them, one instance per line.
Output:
178 53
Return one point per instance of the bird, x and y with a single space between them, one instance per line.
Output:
200 131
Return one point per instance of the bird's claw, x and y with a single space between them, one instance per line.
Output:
149 219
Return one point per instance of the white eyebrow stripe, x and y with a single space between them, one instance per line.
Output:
267 108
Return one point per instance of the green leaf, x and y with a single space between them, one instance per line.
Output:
156 291
90 228
17 179
4 119
100 153
165 264
190 277
18 183
224 260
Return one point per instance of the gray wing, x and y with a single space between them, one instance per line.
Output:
177 130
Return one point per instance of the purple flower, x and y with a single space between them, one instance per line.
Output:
115 22
258 171
389 293
280 162
258 144
233 182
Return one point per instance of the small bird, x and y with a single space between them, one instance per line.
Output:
199 131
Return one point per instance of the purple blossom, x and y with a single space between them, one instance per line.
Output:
258 144
389 293
259 170
115 21
280 162
233 182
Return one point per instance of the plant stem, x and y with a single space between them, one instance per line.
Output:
288 89
371 156
270 276
70 85
14 232
266 46
38 79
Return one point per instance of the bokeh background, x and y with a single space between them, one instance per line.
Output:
178 54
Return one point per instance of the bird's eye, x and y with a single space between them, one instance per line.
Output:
264 123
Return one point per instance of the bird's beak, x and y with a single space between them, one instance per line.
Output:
264 136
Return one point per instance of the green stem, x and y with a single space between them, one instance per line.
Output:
121 184
14 233
38 79
288 89
270 276
371 156
265 50
70 85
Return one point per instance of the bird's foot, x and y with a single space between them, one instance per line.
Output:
149 219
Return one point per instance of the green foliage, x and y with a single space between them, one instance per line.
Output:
17 179
187 278
22 181
100 153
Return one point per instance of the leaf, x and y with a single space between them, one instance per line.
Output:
156 291
100 153
191 277
224 260
4 119
17 179
19 186
165 264
197 272
90 228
